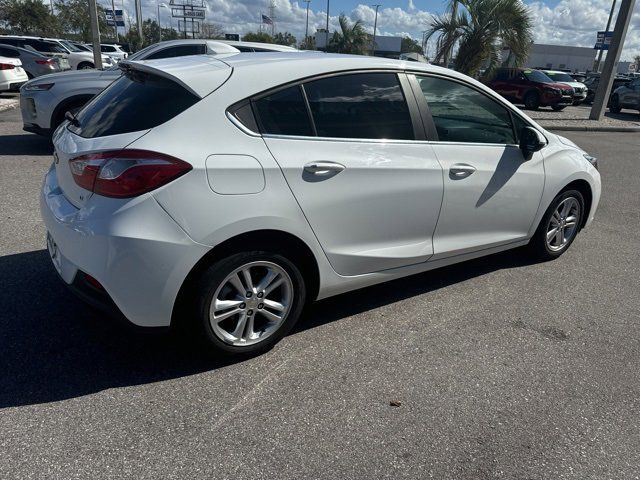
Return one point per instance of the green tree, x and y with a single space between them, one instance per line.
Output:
285 38
636 60
481 28
150 35
73 16
309 43
409 45
210 30
262 37
351 38
28 17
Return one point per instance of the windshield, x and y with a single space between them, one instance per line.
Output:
560 77
536 76
70 46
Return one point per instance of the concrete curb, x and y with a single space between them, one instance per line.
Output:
9 105
576 128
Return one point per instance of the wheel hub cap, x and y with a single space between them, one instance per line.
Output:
563 224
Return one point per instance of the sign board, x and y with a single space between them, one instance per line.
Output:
603 40
232 36
632 67
187 13
111 21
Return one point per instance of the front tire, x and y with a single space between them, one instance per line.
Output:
559 226
85 66
532 100
557 108
248 301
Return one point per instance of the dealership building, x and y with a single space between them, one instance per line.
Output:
561 57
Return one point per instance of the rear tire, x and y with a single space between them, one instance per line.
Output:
614 105
559 226
557 108
532 101
85 66
244 323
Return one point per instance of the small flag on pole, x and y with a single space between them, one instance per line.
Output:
266 20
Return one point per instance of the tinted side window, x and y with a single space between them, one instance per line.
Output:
284 112
462 114
134 102
178 51
9 52
362 105
107 48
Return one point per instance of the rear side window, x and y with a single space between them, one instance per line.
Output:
362 105
284 113
9 52
107 48
178 51
136 101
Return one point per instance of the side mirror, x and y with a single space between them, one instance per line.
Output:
530 141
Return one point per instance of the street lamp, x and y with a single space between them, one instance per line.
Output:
306 30
375 26
163 5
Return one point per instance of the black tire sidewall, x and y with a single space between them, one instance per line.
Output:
539 242
536 100
216 273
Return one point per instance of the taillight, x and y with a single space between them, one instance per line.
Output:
46 61
126 173
7 66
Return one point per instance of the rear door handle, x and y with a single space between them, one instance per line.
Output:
461 170
323 169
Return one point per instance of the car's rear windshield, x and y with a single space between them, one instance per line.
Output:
536 76
136 101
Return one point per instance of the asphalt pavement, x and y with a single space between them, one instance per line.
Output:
495 368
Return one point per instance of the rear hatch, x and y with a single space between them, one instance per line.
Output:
149 94
16 73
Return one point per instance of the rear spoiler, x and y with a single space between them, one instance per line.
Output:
199 74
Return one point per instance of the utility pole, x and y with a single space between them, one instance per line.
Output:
139 20
615 49
95 35
51 2
306 29
613 6
454 14
115 23
375 26
272 15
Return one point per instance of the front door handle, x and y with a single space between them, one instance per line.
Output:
461 170
323 169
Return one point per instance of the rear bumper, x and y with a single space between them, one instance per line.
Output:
133 248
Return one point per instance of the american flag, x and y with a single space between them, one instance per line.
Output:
266 20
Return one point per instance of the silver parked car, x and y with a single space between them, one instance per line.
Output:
626 96
34 63
45 101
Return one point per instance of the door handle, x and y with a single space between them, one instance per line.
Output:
323 169
461 170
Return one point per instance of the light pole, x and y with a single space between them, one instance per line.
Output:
163 5
306 30
375 26
613 6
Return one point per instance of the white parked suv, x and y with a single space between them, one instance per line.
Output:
77 58
227 192
114 51
579 88
44 101
12 75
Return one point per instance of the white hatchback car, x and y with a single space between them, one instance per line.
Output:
12 75
230 191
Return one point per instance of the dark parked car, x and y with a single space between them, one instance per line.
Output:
531 87
592 86
626 96
34 63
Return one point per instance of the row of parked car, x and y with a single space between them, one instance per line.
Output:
23 58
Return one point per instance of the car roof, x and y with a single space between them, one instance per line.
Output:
255 72
270 46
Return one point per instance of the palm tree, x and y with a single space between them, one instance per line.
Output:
481 28
351 39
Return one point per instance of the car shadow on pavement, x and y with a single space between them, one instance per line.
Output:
27 144
53 347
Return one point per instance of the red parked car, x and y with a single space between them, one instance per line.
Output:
531 87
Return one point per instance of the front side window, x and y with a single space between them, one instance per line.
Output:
536 76
362 105
462 114
178 51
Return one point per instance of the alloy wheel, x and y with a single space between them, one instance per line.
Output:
251 303
563 224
